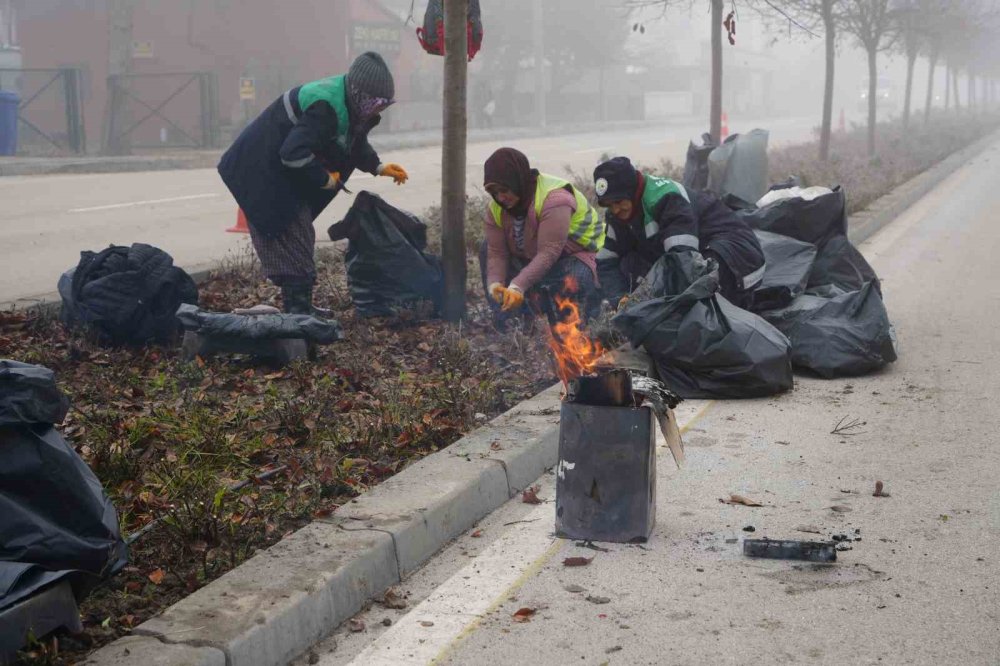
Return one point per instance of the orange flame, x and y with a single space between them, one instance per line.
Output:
575 353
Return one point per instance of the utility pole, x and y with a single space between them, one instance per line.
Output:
538 34
715 114
456 60
119 65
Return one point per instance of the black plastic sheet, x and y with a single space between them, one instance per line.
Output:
808 220
54 514
788 265
387 265
275 326
703 345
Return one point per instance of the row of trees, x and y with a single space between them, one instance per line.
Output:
961 34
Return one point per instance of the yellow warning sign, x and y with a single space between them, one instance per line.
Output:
248 89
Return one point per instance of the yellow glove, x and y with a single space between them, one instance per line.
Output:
334 181
496 292
394 171
623 302
513 298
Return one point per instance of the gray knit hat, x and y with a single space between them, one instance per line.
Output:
370 85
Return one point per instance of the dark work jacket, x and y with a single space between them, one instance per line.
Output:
705 218
256 167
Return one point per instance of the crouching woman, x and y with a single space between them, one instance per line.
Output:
540 231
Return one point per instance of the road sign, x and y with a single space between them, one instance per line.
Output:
383 38
142 50
248 89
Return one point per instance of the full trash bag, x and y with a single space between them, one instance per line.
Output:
703 345
788 265
839 267
696 165
260 326
126 295
54 513
739 166
387 265
810 220
843 336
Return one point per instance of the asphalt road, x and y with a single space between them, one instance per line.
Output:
920 583
45 221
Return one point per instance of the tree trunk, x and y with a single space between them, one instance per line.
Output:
831 57
911 60
538 39
715 114
954 86
453 159
872 91
972 90
119 65
947 86
931 66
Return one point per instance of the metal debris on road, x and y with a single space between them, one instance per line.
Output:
810 551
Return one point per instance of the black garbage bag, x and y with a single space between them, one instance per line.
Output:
839 268
260 327
843 336
126 295
387 265
703 345
54 513
808 220
786 273
696 165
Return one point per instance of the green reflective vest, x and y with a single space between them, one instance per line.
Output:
333 91
585 226
656 189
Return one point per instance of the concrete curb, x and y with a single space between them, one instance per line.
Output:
282 601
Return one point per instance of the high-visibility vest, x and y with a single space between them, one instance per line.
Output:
333 91
585 226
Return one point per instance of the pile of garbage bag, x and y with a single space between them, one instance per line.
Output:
388 267
818 289
56 522
255 327
703 345
126 295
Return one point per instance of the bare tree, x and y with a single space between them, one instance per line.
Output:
871 22
909 22
808 16
456 13
119 66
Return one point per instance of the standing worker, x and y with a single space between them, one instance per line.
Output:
650 216
540 230
290 163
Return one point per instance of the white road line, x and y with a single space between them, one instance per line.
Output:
133 204
593 150
456 607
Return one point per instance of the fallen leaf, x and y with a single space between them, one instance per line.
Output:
477 534
530 495
133 586
879 490
523 614
840 508
577 561
739 499
575 589
943 518
426 623
810 529
356 625
393 599
322 513
598 600
496 446
156 577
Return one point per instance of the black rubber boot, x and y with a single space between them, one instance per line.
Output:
297 299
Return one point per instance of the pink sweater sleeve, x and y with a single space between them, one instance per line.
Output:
553 232
497 255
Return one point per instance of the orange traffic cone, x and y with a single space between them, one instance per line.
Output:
241 224
725 125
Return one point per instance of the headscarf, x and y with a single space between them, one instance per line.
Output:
509 167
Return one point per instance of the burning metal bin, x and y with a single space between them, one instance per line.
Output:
606 476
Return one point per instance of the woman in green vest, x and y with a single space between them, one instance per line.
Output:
290 162
540 231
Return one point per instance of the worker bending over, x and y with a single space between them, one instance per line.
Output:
540 230
650 216
290 163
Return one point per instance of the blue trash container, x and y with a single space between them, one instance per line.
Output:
9 102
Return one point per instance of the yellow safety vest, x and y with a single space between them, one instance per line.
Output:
585 227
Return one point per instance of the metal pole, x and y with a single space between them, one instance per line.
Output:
453 158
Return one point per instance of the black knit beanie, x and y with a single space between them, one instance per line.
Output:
370 85
615 180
